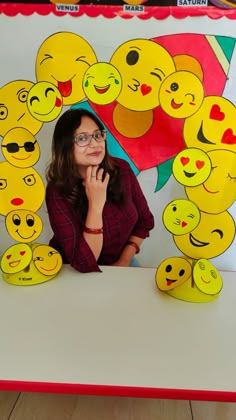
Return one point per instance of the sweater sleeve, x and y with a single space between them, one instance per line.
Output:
68 232
145 221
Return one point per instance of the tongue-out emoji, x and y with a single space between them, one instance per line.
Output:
65 88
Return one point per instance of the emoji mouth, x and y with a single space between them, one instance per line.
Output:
65 88
210 192
14 263
58 103
14 157
21 117
25 237
201 137
196 242
175 105
17 201
204 281
135 86
101 90
189 174
49 269
170 281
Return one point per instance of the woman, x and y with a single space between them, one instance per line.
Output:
96 208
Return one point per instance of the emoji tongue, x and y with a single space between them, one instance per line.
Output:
65 88
169 282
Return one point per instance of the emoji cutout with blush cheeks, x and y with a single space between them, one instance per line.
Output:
181 216
16 258
47 260
44 101
13 107
20 148
181 94
207 278
191 167
23 225
173 272
20 188
213 236
218 192
62 59
102 83
213 126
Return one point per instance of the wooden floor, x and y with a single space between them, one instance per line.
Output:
39 406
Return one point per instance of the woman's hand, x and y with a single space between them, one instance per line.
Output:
96 187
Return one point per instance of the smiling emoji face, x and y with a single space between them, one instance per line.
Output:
13 107
20 188
213 235
206 277
23 225
191 167
143 65
102 83
16 258
47 260
213 126
181 216
218 192
44 101
181 94
173 272
62 60
20 148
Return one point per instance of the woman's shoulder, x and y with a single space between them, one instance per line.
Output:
121 163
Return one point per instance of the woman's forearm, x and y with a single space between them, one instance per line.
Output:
94 223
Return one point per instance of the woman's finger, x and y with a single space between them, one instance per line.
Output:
99 174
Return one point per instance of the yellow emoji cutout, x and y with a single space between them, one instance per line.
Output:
16 258
20 188
29 275
20 148
173 272
102 83
213 236
181 216
191 167
181 94
44 101
213 126
47 260
62 59
218 192
23 225
206 277
143 65
13 107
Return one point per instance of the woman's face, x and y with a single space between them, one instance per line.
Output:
92 154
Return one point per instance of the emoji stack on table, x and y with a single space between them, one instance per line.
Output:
201 225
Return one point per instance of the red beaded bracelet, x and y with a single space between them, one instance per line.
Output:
93 231
134 245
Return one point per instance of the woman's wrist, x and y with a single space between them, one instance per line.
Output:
134 245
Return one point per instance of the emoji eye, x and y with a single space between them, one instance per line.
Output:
213 274
231 177
16 219
219 232
181 273
34 98
168 268
22 96
174 87
3 112
51 253
3 183
29 220
132 57
29 180
174 208
191 216
49 90
38 259
201 266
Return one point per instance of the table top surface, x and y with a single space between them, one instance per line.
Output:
115 330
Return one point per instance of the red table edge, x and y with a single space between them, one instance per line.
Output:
118 391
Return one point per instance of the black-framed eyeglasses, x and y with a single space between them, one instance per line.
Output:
29 146
84 139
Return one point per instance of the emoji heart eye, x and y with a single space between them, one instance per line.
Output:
8 256
199 164
184 160
22 252
216 113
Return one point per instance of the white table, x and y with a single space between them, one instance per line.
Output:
115 333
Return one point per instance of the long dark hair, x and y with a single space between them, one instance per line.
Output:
63 171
